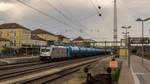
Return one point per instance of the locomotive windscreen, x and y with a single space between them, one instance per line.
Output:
45 51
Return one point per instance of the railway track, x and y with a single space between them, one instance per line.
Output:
13 66
21 71
48 78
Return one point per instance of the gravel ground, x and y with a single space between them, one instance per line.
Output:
97 69
80 77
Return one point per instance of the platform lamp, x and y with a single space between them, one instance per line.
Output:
126 42
142 20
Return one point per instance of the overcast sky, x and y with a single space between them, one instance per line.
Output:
75 18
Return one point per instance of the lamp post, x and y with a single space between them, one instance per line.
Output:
142 20
126 42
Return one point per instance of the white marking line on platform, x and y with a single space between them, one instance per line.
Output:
139 73
136 80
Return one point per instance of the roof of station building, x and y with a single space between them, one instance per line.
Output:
35 37
62 36
78 39
41 31
12 26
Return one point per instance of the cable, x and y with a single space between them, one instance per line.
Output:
68 18
81 25
94 6
98 11
43 13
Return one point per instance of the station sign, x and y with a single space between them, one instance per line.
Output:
138 40
113 64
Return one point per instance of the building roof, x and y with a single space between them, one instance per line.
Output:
35 37
41 31
12 26
78 39
90 40
62 36
3 39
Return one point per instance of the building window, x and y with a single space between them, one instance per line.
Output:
0 34
15 34
7 34
22 37
14 42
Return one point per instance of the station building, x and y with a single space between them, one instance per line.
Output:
17 34
63 39
36 40
13 35
78 40
45 35
4 43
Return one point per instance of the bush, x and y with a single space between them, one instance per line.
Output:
115 76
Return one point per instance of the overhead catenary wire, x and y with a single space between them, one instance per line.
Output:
98 4
95 7
73 16
68 18
45 14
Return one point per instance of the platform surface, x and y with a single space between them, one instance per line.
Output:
138 73
18 59
125 74
24 57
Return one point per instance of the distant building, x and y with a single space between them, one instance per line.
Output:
4 43
37 41
63 39
89 40
78 40
17 34
44 35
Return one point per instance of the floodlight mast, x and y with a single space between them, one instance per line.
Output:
142 20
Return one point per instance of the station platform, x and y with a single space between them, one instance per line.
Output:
138 73
14 60
125 74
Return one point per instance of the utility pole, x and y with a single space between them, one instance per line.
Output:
115 25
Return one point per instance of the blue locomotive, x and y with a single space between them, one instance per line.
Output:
66 52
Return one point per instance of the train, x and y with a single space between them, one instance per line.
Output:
48 54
